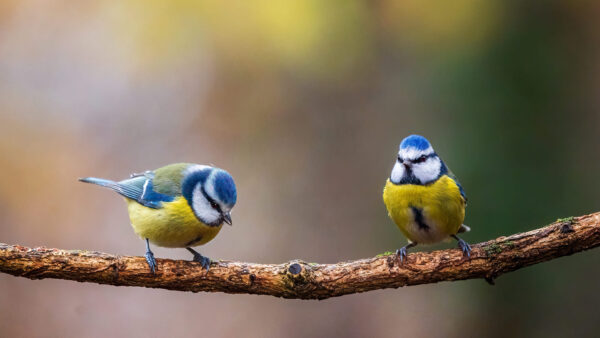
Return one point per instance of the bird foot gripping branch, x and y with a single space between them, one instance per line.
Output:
177 206
185 205
301 280
424 198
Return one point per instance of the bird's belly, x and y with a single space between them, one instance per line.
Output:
426 214
417 234
172 226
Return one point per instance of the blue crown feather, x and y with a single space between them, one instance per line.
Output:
225 187
415 141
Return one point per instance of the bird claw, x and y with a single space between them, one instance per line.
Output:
204 261
465 247
151 261
401 254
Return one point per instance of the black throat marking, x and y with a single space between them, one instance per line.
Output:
418 216
409 177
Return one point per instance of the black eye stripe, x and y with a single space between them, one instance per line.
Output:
423 158
419 159
215 205
212 202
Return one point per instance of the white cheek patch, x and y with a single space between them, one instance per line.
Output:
427 171
202 207
413 153
397 173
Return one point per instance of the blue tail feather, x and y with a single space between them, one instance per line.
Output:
138 188
98 181
130 190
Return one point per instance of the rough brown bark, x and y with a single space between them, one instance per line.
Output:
298 279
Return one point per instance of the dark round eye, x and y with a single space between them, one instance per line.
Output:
399 158
420 159
214 205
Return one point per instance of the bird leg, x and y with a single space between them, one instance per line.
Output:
401 253
204 261
464 246
150 257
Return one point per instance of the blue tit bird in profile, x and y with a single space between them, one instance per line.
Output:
180 205
424 198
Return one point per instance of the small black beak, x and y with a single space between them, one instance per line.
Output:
227 218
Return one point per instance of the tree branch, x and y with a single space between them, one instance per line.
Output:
298 279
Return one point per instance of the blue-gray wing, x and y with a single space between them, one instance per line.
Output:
138 188
460 188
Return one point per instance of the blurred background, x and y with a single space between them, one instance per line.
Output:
305 103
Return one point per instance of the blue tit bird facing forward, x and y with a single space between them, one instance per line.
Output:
177 206
423 197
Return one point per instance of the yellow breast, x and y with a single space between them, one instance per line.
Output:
426 214
173 226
